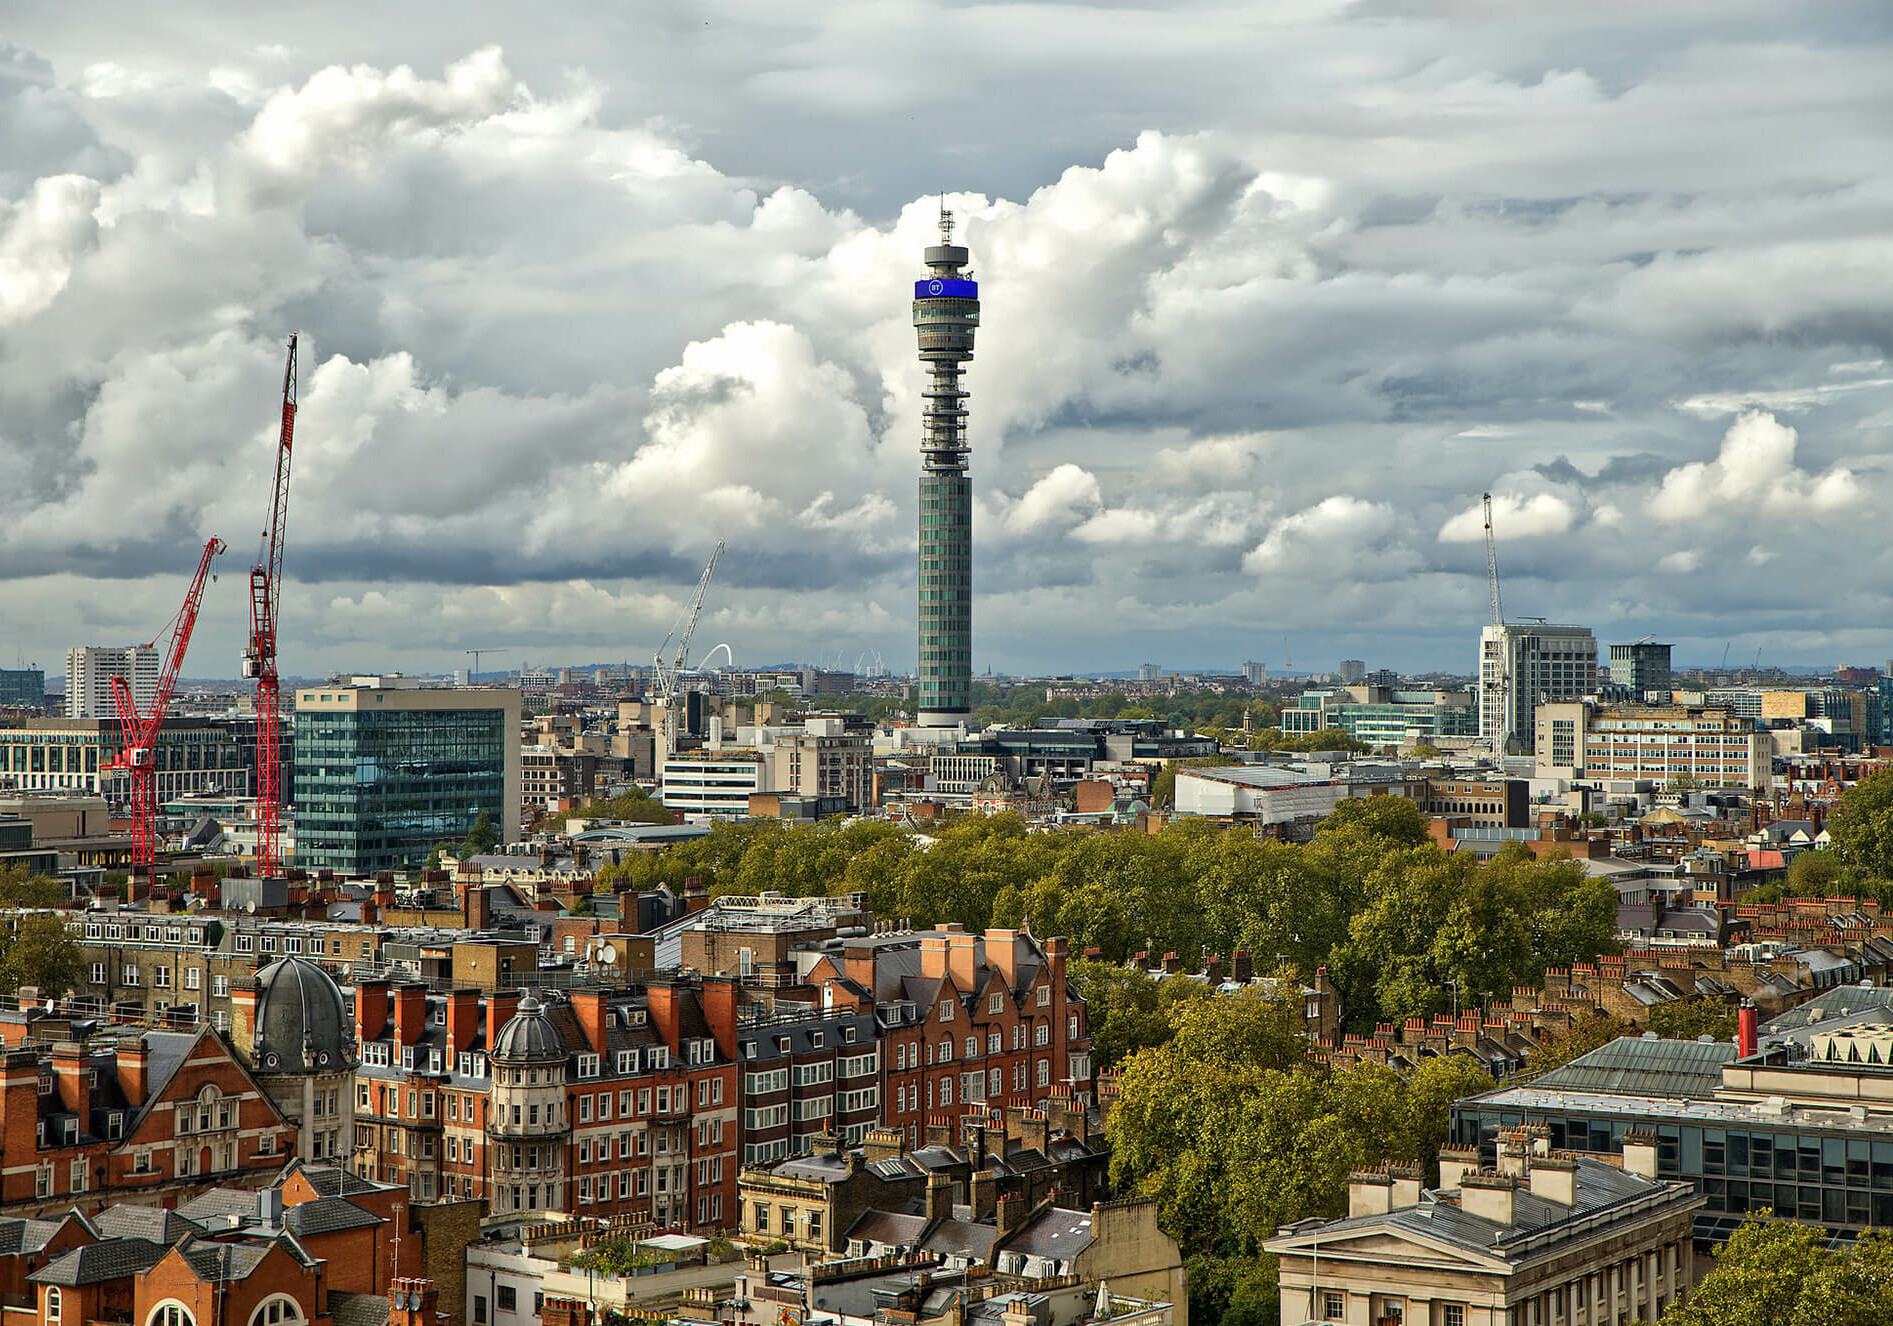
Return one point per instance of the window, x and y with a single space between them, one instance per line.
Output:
1454 1315
170 1313
276 1310
479 1310
997 1003
53 1306
946 1011
507 1297
1045 995
1333 1305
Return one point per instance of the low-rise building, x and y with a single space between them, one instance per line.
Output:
1542 1237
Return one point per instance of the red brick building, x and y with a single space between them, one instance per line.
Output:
599 1102
968 1021
149 1111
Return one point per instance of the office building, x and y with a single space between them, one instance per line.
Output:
194 756
1523 665
1353 671
89 673
1638 668
1670 744
1793 1117
1383 716
946 315
22 688
386 768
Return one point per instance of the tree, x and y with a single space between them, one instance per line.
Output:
21 888
40 951
1780 1273
1686 1019
481 838
1820 873
1862 826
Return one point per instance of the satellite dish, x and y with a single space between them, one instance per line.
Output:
611 956
250 907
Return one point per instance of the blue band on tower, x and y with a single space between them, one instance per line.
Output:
939 288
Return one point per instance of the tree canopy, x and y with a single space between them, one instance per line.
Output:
1780 1273
1236 1133
1399 924
1862 826
37 949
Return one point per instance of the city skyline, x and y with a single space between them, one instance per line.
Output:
1255 346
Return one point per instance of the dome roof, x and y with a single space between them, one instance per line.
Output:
302 1023
529 1037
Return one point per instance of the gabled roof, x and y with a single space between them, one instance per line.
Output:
23 1236
359 1309
326 1215
153 1223
96 1263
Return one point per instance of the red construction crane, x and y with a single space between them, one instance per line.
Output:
259 660
139 735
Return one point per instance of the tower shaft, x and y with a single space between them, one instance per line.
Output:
946 314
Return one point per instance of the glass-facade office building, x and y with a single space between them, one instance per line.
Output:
1801 1153
383 774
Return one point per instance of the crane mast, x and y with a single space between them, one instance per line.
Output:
259 660
138 734
667 675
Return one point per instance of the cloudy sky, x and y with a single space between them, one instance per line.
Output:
1272 293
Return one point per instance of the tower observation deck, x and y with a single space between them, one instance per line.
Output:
946 314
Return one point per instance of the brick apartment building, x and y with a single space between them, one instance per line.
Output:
603 1103
967 1021
141 1116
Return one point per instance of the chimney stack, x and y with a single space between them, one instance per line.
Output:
1489 1195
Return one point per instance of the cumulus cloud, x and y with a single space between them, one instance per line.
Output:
574 309
1753 471
1336 535
1513 517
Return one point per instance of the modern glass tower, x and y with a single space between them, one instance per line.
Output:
946 314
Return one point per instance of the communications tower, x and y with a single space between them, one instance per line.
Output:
946 314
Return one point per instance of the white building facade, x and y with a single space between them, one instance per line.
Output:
89 673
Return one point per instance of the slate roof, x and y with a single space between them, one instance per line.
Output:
1829 1005
208 1206
18 1236
1055 1232
154 1223
894 1229
214 1262
1598 1187
325 1215
358 1309
962 1238
331 1180
97 1263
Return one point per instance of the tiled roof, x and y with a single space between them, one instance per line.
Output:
97 1263
325 1215
358 1309
154 1223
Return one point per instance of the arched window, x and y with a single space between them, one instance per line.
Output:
170 1313
52 1306
277 1310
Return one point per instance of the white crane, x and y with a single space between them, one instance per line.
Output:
668 674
